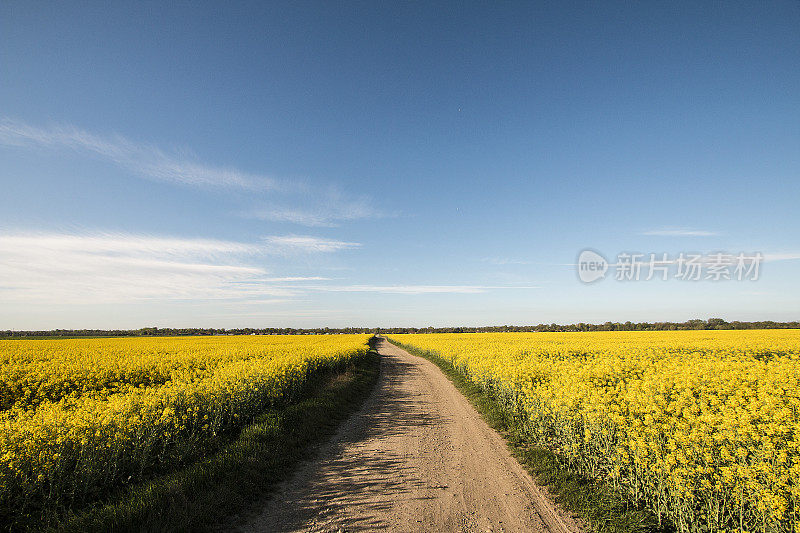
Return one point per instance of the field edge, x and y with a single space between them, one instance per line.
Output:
244 471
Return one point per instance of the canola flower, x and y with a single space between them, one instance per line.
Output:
703 426
82 415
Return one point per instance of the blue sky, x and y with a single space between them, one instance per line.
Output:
335 164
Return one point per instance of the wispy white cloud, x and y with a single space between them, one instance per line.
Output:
47 269
113 243
119 267
263 301
289 201
306 244
503 261
295 278
417 289
144 160
782 256
324 217
679 232
321 207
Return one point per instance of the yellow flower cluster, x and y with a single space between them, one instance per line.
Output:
703 426
81 415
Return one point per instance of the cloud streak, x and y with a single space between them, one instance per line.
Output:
679 232
290 201
417 289
782 256
117 267
53 269
145 160
306 244
327 216
325 207
504 261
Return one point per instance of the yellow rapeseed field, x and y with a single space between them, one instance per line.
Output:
81 415
704 426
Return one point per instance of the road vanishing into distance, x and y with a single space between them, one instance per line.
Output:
417 456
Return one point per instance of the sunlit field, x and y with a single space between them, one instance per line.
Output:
703 426
82 415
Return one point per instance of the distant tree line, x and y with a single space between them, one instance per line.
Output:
696 324
179 332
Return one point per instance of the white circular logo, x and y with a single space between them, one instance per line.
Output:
591 266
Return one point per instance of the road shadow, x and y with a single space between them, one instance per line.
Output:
351 474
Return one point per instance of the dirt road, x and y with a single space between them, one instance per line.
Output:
416 457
